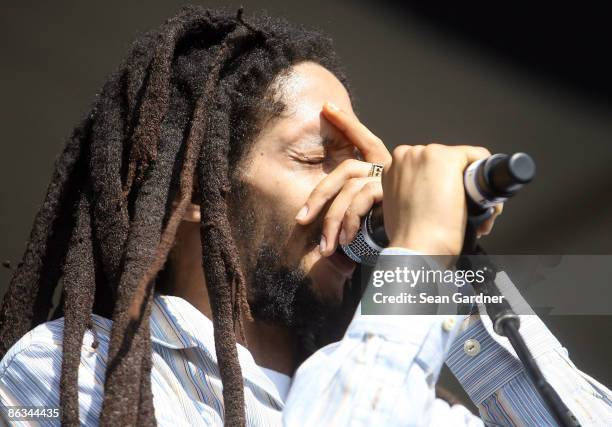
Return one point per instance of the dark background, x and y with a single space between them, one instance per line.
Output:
533 78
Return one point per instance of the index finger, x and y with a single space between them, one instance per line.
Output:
371 147
473 153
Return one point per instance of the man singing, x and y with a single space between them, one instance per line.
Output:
193 221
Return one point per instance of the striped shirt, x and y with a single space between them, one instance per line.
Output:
382 372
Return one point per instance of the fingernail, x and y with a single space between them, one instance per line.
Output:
342 238
332 106
302 213
323 244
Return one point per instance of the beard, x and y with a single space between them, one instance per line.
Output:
280 292
285 296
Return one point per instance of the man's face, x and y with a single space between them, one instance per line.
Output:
289 158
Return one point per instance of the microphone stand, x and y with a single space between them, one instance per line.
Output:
505 321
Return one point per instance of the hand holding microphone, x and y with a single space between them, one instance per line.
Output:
425 208
488 184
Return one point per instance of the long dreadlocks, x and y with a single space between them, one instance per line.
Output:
178 114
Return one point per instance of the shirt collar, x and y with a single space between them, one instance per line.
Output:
173 321
177 324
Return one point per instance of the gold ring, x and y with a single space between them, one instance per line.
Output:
376 170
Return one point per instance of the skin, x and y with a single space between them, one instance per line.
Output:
308 170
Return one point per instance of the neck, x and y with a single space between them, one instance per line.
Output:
272 346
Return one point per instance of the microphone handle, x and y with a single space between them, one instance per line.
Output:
375 225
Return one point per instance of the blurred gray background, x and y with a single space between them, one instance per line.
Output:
511 80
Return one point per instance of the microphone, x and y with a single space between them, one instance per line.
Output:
487 182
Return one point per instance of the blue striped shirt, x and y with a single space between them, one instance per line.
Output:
382 372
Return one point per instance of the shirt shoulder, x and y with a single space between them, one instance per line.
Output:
47 339
31 369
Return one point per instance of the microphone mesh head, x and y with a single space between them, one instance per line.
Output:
362 249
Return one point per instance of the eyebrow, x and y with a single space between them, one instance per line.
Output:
313 141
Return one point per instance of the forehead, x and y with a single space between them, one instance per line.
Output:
309 85
304 91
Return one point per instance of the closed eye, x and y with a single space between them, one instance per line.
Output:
313 161
324 151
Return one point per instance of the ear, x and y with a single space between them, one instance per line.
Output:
192 213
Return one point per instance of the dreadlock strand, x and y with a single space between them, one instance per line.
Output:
146 411
155 99
128 336
79 283
136 67
218 261
28 299
110 216
225 339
